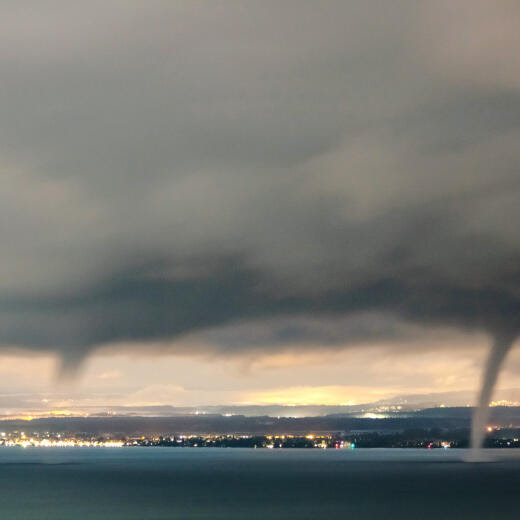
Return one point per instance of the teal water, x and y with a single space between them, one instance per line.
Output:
177 483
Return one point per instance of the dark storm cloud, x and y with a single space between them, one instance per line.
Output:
169 169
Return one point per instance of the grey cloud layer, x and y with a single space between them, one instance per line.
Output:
171 168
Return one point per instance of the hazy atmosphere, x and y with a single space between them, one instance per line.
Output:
256 202
259 259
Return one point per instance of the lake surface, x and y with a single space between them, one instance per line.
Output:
213 483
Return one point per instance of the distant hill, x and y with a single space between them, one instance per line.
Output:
447 418
36 406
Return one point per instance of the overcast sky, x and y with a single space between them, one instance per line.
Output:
197 183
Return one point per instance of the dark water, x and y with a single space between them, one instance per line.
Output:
162 483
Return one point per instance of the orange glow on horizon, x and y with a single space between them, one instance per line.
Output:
332 395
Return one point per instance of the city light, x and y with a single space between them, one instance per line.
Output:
58 443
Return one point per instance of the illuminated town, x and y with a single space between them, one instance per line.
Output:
422 439
442 427
49 440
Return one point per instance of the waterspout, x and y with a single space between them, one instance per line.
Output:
499 350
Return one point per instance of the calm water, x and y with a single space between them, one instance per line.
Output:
162 483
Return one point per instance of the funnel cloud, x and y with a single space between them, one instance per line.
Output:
497 355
